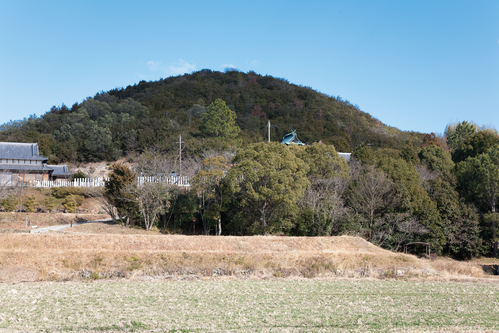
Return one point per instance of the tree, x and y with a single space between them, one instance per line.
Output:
6 188
208 183
409 154
219 120
323 161
195 111
97 144
460 220
324 202
183 206
394 229
476 144
116 193
78 175
268 178
152 197
363 153
378 212
327 175
479 178
152 163
458 133
414 199
430 140
436 158
372 194
152 200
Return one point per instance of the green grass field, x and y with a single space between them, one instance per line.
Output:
249 306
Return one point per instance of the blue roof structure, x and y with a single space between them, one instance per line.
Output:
292 138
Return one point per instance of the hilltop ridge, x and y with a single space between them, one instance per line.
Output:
154 114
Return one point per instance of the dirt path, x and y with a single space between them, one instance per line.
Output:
64 226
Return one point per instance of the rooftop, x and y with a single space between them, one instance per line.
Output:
20 151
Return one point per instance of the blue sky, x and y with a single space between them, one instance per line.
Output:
415 65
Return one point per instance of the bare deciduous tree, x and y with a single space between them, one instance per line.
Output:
5 184
106 204
324 198
396 229
152 199
373 194
151 163
208 184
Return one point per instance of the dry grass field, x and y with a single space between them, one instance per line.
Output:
101 277
77 255
17 221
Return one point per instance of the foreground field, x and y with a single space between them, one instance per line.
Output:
250 306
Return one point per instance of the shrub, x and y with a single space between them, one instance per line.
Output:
63 192
50 203
79 199
30 204
78 175
10 203
70 204
60 192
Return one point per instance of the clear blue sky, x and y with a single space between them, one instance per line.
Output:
415 65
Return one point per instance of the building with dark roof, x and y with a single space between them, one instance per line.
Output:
22 161
60 172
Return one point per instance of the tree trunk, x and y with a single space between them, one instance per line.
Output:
493 209
205 227
219 226
264 223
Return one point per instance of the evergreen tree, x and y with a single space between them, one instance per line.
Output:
30 204
219 120
115 191
268 178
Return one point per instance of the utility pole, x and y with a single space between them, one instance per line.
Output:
180 155
269 129
22 186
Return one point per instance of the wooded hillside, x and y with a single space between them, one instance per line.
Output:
398 188
154 114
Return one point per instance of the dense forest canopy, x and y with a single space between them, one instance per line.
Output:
154 114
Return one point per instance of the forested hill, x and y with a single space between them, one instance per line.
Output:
149 114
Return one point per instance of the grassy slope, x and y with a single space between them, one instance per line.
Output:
69 256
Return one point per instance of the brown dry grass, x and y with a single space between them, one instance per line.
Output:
111 228
64 256
93 169
89 206
18 220
451 268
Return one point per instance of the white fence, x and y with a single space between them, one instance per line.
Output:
80 182
99 182
179 181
